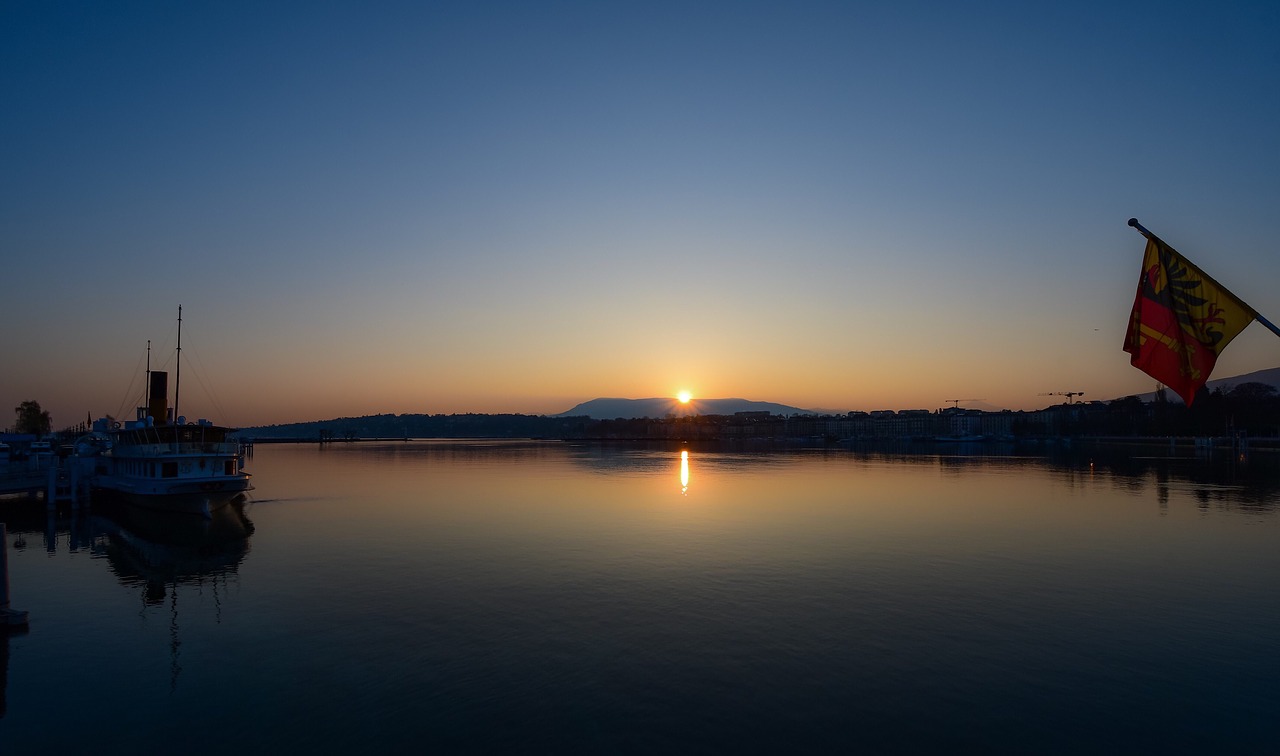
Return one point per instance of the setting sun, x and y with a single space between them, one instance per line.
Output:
684 397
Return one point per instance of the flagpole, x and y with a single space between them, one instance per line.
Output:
1256 315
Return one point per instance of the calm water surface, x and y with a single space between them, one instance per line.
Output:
542 596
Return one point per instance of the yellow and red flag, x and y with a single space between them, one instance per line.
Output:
1182 320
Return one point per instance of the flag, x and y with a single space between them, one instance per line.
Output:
1181 321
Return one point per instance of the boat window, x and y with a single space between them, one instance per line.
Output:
169 469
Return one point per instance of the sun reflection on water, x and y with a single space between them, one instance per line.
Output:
684 472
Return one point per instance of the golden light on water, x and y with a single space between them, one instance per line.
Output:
684 397
684 472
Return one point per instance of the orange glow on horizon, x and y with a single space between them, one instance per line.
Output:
684 397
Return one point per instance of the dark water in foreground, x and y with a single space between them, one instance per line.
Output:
546 597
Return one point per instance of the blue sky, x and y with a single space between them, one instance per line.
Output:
449 207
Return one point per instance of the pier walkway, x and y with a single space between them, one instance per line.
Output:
21 480
45 476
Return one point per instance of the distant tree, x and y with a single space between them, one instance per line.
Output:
1252 391
32 419
1128 404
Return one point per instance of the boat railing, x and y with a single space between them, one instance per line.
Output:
225 448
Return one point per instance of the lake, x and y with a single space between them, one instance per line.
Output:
494 597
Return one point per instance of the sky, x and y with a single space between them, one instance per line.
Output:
439 207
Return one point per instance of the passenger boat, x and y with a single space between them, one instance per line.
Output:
161 461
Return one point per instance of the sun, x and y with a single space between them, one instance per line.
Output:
684 397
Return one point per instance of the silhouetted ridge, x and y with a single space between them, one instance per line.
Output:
658 407
1268 376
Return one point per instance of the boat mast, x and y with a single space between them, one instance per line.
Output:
146 386
177 369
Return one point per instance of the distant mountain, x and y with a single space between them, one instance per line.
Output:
610 409
1269 376
425 426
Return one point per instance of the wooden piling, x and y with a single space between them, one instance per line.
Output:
7 616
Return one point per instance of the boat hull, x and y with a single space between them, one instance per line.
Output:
189 496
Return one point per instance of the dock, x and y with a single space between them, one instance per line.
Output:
23 481
53 478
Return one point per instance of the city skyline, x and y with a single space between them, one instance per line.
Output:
507 208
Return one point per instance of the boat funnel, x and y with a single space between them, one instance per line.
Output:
159 396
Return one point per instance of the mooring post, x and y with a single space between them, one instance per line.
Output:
4 567
73 471
7 616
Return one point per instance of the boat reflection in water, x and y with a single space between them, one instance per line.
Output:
159 549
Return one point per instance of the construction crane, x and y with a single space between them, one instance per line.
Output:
956 402
1067 394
